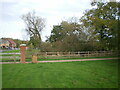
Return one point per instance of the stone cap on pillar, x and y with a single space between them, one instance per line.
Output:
22 44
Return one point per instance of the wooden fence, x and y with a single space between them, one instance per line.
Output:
77 54
85 53
10 57
55 55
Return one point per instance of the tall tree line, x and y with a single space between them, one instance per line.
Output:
96 30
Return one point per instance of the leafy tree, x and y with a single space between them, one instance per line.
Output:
34 25
103 22
97 30
46 46
18 42
64 29
56 33
69 36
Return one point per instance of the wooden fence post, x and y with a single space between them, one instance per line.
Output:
34 58
69 52
88 54
46 53
58 54
78 53
14 57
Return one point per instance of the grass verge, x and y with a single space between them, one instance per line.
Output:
11 51
87 74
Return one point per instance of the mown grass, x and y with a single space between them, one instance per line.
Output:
0 76
69 57
11 51
10 55
85 74
48 58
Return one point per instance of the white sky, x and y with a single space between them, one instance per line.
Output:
54 11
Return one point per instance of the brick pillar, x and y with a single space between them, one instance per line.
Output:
23 53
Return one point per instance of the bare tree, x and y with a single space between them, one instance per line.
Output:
34 25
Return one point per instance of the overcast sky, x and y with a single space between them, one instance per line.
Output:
54 11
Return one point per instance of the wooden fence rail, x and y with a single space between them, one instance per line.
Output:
81 54
16 56
87 53
10 56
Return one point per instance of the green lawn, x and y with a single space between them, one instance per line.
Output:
11 51
10 55
47 58
85 74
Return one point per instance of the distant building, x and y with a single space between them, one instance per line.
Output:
7 43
